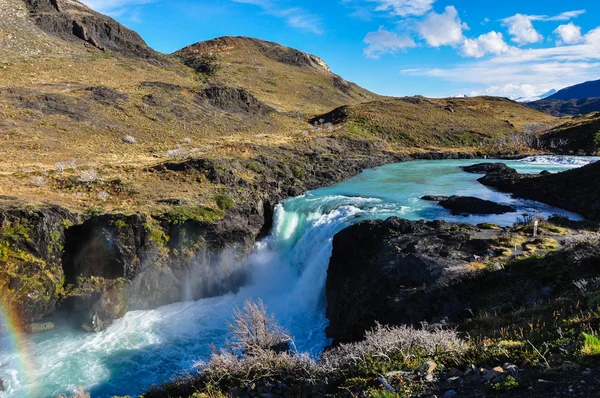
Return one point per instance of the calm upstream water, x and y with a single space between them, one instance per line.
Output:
288 273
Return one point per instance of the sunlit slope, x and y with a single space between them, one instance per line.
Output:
285 78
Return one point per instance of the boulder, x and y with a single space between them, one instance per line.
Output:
470 205
485 168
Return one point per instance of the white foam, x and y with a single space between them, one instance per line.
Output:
561 160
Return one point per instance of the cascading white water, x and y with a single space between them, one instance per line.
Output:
289 271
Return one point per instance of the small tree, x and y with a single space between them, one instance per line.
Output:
254 331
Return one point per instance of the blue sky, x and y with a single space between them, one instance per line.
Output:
436 48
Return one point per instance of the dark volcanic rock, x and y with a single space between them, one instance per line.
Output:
470 205
400 272
484 168
397 272
74 21
577 190
434 198
235 100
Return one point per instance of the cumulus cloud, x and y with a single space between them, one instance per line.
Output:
489 43
569 33
526 72
383 42
521 28
442 29
404 8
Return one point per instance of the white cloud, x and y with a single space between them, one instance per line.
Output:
569 33
522 30
442 29
295 17
489 43
384 42
511 90
526 72
565 16
404 8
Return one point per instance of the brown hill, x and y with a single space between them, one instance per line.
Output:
287 79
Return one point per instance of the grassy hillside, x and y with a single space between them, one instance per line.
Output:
285 78
418 122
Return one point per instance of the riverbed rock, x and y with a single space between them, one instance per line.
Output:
469 205
577 190
485 168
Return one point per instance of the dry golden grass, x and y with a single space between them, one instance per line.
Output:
51 120
444 123
287 88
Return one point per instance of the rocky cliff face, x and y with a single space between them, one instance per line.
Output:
397 272
73 21
400 272
95 268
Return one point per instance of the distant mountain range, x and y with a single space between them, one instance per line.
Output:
579 99
536 98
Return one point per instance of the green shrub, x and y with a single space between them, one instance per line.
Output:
591 345
508 384
224 202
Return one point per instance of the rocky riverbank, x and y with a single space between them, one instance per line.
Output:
577 190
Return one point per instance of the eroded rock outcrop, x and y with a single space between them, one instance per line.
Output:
400 272
397 272
74 21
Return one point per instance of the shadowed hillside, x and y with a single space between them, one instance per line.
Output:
579 99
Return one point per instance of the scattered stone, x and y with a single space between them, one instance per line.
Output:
428 377
453 372
453 379
509 367
399 373
544 384
587 372
428 367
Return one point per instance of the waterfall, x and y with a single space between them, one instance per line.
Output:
288 271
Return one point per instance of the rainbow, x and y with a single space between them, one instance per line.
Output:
10 326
